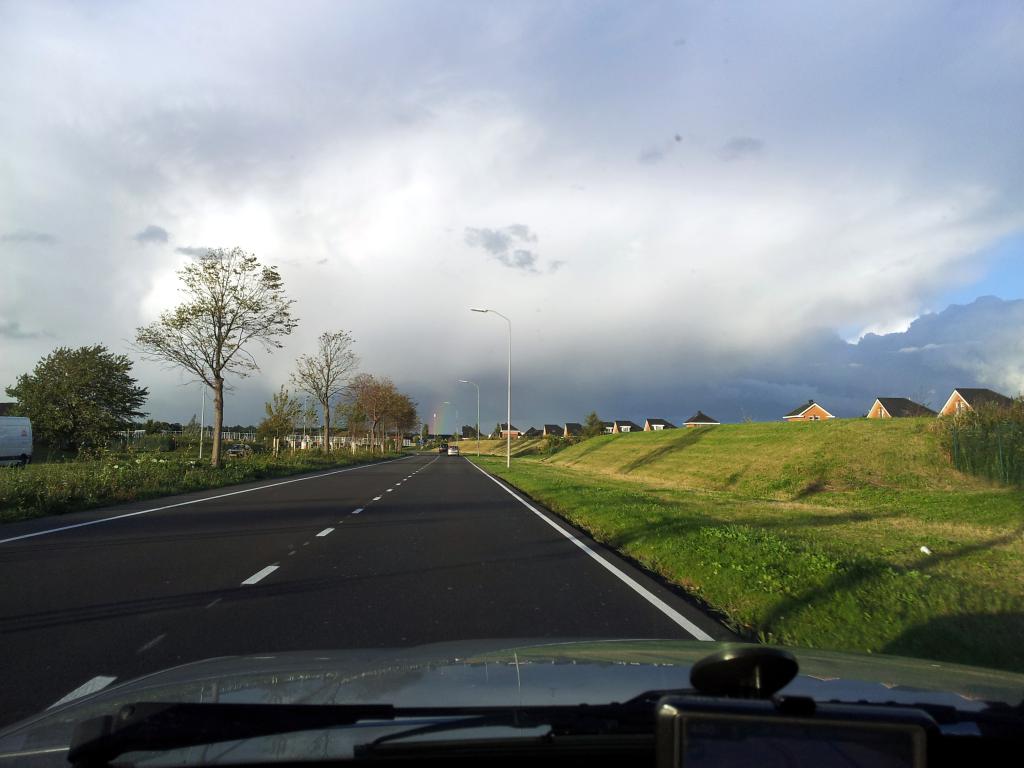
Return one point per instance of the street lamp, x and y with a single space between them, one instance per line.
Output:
464 381
508 412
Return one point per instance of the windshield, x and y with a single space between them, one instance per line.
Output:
336 332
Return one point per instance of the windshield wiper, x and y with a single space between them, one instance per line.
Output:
163 726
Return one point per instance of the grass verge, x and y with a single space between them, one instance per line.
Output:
49 489
839 567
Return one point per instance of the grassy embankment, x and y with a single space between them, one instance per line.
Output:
809 534
55 488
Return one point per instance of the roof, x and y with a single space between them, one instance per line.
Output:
701 418
607 423
552 428
801 409
898 407
532 431
663 422
626 423
573 427
504 427
976 396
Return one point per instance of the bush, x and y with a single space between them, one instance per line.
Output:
45 489
988 442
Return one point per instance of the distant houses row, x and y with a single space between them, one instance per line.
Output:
962 399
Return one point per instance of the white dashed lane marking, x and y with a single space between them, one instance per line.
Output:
324 532
357 511
261 574
98 683
377 498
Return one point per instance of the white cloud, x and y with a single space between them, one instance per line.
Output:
356 151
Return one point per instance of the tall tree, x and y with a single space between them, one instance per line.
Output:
282 411
592 426
232 304
325 373
78 398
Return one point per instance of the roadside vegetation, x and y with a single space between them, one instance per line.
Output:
988 442
60 487
847 534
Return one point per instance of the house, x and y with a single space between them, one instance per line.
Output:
810 412
552 430
971 398
468 432
656 425
514 432
622 426
897 408
608 427
700 419
572 429
532 432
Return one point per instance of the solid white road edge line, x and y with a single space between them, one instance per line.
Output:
657 602
324 532
98 683
260 574
194 501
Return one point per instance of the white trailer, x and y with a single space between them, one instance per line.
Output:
15 441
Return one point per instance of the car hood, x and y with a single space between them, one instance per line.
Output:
500 672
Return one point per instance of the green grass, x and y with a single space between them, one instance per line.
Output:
809 534
56 488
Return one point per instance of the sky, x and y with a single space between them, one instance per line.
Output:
726 206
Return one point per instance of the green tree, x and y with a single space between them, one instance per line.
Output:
592 426
325 373
232 303
281 413
78 398
425 432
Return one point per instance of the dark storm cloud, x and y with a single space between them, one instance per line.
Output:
195 251
28 236
152 234
11 329
501 245
740 146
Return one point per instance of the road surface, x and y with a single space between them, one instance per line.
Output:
417 550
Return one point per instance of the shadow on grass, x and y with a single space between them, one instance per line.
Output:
685 440
951 638
962 648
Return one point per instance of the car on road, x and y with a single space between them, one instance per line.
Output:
453 450
239 451
15 441
443 448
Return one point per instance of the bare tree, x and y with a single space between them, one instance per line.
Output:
324 374
232 303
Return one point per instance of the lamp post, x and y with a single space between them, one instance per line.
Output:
508 412
464 381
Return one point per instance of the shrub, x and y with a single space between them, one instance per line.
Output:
988 442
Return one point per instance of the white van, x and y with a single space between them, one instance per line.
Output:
15 440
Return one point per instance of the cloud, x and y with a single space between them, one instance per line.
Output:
152 234
740 146
651 155
500 243
857 195
11 329
28 236
195 251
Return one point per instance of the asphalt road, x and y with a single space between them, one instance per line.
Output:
418 550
